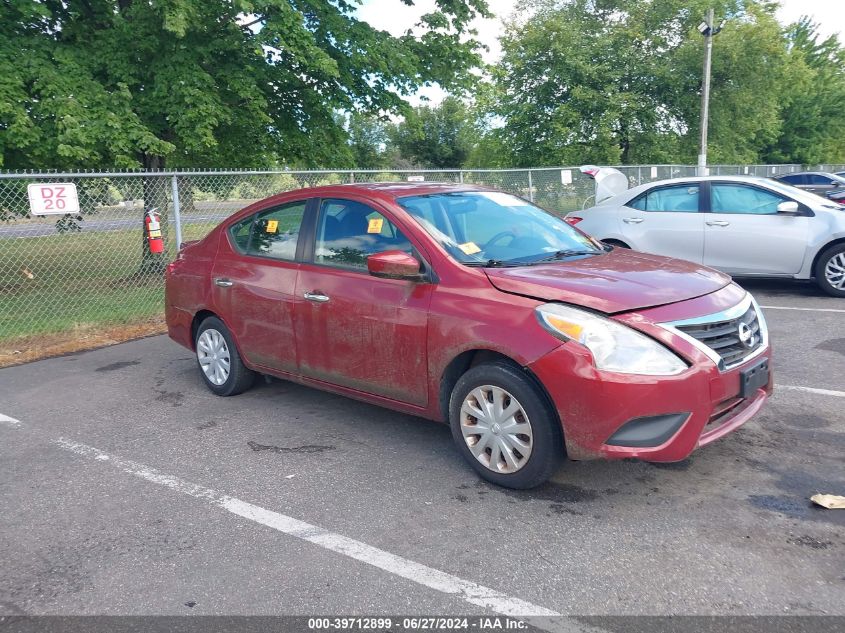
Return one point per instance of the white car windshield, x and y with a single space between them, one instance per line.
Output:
492 228
799 195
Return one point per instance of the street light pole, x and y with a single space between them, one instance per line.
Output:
706 30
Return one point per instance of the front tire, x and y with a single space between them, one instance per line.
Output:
830 271
505 427
220 363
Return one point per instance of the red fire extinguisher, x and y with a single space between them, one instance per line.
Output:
152 229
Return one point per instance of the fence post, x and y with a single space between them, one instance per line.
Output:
461 177
530 187
174 186
351 177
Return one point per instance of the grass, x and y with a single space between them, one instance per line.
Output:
60 283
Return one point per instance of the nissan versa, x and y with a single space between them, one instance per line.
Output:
474 307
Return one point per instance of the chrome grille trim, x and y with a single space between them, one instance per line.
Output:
717 328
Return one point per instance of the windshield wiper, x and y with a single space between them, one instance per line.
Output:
571 252
493 263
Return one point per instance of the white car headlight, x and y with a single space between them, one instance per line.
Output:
615 347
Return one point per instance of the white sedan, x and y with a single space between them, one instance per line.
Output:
743 226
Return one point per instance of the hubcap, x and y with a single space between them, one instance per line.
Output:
496 429
834 271
213 356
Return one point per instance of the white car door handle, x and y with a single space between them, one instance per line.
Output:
317 297
717 223
632 220
223 282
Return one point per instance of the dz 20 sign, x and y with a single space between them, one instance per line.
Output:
53 199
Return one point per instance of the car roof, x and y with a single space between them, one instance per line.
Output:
635 191
390 190
807 173
384 191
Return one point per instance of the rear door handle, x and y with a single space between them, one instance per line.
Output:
317 297
717 223
632 220
223 282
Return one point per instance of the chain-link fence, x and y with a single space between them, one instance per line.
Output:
59 273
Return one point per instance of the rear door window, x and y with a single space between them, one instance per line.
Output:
272 233
818 179
677 199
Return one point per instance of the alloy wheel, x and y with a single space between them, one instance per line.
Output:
834 271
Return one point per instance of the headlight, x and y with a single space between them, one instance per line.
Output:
615 347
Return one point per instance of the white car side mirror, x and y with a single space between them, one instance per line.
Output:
789 207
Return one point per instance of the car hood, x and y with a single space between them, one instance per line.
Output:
619 281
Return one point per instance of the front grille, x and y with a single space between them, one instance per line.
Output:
725 337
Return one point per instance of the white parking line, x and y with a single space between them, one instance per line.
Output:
416 572
5 419
821 392
802 309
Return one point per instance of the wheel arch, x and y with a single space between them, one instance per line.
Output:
467 359
822 250
199 317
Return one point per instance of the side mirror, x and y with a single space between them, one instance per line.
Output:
394 265
789 207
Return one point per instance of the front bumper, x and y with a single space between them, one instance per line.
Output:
593 405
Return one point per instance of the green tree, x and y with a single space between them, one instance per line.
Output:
812 100
750 72
440 136
129 83
619 81
367 141
149 83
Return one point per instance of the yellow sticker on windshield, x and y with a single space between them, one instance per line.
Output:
470 248
272 226
375 225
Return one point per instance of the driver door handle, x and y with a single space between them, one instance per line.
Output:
317 297
632 220
717 223
223 282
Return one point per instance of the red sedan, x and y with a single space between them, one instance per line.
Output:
474 307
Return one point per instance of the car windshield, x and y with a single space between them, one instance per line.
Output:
799 195
492 228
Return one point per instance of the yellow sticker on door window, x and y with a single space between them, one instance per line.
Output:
272 226
470 248
375 225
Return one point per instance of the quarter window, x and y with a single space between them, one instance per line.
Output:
726 198
348 232
678 199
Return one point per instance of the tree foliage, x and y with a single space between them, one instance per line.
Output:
619 81
128 83
438 136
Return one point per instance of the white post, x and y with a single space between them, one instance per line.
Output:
705 94
530 187
174 187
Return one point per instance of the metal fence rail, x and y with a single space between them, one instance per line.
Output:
59 273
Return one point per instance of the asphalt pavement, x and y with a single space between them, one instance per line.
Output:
127 488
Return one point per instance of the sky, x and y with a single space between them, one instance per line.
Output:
396 18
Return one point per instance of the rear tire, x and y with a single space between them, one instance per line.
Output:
519 442
830 271
220 363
